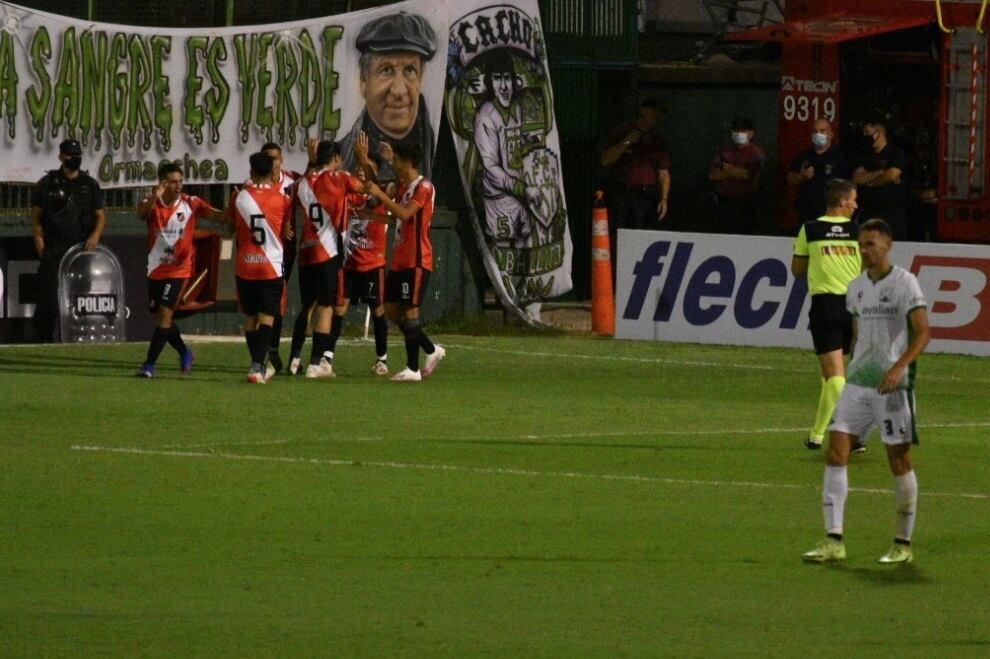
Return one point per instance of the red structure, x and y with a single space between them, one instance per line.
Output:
828 48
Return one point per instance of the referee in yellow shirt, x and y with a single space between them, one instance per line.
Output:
827 251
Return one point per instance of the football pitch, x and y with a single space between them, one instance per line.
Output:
538 496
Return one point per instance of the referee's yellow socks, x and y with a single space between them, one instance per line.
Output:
829 397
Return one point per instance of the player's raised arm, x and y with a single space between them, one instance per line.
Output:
147 202
368 214
401 210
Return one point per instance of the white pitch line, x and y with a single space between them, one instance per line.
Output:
578 435
499 471
615 358
681 362
272 442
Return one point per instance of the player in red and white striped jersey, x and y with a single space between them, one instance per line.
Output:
323 196
412 258
285 180
362 274
171 218
261 215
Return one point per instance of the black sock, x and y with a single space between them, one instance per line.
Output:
416 330
263 339
412 350
425 343
321 343
299 334
835 536
251 337
175 340
381 335
276 333
901 541
158 341
336 326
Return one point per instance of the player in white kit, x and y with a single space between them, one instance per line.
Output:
890 331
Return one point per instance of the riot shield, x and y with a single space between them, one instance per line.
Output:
91 296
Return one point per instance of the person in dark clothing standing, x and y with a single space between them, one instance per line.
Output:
735 171
880 175
637 164
66 209
812 169
640 168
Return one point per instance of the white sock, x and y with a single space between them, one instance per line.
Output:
907 504
834 498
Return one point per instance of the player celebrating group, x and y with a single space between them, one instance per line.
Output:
362 276
890 330
261 214
286 181
412 258
324 195
171 218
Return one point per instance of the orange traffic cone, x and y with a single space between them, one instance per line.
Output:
602 297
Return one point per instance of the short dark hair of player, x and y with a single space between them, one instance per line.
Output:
741 123
326 151
167 168
262 164
836 190
271 146
500 61
410 152
879 225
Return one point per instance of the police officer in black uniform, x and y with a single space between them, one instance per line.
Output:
880 178
66 209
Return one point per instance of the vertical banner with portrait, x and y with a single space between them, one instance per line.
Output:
499 104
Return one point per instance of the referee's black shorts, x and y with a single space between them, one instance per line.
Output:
830 323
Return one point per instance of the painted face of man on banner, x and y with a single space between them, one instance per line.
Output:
394 52
390 85
503 85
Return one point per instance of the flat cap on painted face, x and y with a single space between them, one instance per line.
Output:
398 32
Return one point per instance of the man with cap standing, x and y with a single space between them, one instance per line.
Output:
394 50
66 209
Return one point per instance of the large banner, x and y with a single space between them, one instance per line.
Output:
208 98
500 107
703 288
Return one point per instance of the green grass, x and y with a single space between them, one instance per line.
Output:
515 504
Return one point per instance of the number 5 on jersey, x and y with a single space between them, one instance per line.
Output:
258 228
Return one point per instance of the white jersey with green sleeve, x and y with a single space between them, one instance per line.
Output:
881 310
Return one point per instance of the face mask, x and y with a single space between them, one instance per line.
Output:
819 139
73 163
742 139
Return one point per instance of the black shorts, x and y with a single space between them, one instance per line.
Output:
260 296
367 286
407 287
830 323
289 252
165 293
318 283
